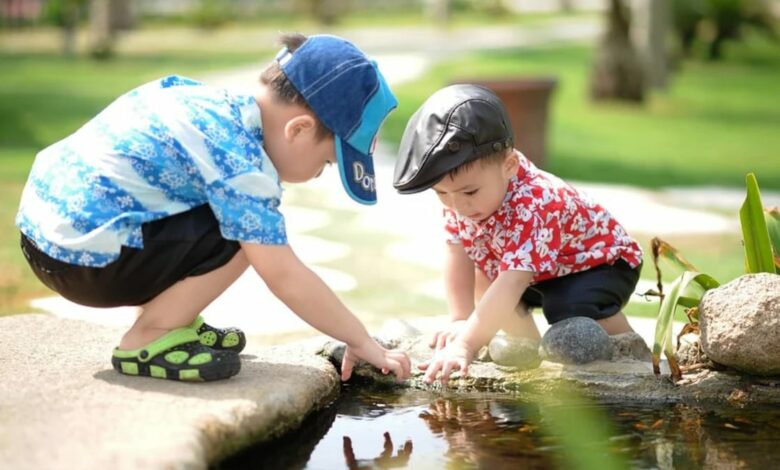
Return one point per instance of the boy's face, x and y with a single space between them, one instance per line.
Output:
478 191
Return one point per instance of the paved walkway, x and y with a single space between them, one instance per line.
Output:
413 218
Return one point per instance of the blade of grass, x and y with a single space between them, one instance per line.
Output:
758 251
772 216
687 290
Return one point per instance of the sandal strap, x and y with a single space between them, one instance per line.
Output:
198 322
164 343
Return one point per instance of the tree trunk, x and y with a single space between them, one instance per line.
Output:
618 73
439 10
650 27
69 28
101 43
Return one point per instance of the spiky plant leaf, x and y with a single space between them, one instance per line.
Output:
758 250
685 291
772 216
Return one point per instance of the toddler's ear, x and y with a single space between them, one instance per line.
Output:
510 164
298 125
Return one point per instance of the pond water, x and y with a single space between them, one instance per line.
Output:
367 428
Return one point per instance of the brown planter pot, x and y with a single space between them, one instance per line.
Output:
526 101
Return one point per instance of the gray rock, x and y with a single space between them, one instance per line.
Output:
576 340
521 353
69 409
630 346
740 324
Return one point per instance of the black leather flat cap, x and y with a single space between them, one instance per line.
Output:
455 125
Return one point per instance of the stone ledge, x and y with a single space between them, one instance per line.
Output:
61 403
624 380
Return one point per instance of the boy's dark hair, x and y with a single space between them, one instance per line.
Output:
494 158
273 77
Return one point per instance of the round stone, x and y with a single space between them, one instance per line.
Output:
521 353
576 340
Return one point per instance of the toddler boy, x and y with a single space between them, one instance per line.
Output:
518 237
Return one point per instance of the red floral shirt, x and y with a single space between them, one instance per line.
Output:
543 226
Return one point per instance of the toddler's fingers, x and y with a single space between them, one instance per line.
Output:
434 339
433 369
346 367
464 368
442 341
446 371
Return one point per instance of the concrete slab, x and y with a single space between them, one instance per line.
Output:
63 406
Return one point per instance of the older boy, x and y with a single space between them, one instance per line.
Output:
534 240
172 191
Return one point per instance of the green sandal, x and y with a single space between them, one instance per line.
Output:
177 355
228 339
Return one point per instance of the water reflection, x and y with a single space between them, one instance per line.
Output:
413 429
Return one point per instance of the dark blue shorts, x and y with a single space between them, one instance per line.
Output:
597 293
176 247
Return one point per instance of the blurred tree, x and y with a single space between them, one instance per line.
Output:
326 12
718 21
211 14
66 14
439 10
101 34
566 6
106 17
618 72
650 29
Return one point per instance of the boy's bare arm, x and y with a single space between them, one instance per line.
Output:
459 282
495 308
311 299
459 286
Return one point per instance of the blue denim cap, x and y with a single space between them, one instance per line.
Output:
350 97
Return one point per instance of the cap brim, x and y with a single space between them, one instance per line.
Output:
357 173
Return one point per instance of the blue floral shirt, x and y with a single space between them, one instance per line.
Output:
161 149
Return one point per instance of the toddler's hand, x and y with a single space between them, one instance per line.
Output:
381 358
456 356
441 338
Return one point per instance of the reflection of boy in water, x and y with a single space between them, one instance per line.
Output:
385 459
476 432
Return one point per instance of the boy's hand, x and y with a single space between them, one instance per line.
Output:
381 358
443 337
455 356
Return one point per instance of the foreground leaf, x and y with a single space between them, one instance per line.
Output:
686 291
758 250
772 216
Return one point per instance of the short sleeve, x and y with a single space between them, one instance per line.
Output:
248 216
451 226
241 184
532 237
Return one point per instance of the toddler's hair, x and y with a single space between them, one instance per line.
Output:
273 77
485 160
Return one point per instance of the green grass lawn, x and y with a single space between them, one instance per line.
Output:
43 98
715 123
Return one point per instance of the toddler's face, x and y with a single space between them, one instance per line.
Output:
477 191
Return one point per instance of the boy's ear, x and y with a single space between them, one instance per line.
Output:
299 125
511 164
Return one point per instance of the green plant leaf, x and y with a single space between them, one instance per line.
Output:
772 216
685 291
758 251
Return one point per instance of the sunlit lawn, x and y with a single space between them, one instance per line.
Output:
43 98
715 123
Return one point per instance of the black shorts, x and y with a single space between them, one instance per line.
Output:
176 247
597 293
